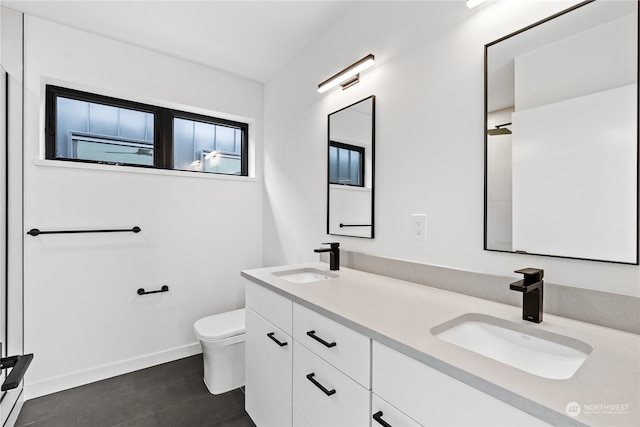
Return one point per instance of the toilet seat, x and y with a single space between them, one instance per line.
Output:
220 326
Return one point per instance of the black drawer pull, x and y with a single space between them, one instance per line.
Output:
378 417
320 386
313 335
271 335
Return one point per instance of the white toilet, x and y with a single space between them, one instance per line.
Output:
222 339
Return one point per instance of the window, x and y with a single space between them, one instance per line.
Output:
92 128
207 146
346 165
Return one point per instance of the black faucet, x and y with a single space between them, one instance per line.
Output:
334 255
531 287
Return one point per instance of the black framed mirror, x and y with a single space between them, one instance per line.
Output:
561 139
351 164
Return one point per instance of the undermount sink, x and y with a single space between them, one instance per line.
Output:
536 351
305 275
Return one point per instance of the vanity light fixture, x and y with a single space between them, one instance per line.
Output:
473 3
349 76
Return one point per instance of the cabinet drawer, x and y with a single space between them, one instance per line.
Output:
383 414
344 348
273 307
298 420
343 402
433 398
268 357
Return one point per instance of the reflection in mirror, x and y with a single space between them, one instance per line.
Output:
351 170
561 146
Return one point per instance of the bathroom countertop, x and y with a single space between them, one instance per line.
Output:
400 315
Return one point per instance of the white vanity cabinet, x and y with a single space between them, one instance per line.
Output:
384 414
331 371
349 351
306 370
324 396
432 398
269 353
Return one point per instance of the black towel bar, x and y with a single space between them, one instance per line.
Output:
36 232
19 365
354 225
164 288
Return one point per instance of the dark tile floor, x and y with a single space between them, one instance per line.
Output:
172 395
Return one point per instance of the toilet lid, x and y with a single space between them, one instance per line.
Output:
220 326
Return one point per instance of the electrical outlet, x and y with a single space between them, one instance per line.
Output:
419 226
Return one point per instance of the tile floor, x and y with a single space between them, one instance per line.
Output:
172 395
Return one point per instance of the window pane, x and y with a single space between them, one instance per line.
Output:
206 147
205 137
103 133
106 151
220 163
183 139
103 120
333 165
82 126
345 164
354 168
133 125
226 139
73 115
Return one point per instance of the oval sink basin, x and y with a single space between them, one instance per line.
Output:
536 351
304 275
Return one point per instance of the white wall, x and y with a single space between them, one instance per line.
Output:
499 183
584 63
567 176
83 318
552 212
428 83
350 205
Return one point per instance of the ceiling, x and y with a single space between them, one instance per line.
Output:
252 39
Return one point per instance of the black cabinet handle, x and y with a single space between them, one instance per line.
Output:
378 417
320 386
313 335
271 335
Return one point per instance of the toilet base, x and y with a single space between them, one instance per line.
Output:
223 366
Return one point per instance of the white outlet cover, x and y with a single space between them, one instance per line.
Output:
419 226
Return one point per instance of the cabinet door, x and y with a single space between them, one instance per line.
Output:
383 414
268 359
325 396
273 307
344 348
433 398
298 420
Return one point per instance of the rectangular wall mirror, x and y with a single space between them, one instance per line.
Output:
561 140
351 154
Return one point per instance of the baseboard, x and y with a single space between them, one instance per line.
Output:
53 385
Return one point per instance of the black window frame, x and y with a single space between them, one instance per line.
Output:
162 122
244 129
355 148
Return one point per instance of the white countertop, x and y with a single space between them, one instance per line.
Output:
400 314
